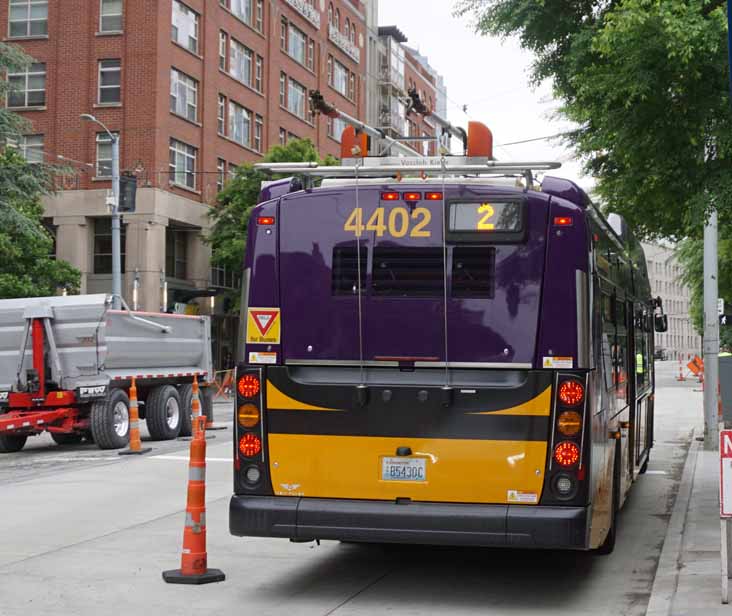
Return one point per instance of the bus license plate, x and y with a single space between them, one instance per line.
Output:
403 469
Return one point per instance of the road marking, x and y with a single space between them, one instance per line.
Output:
186 458
656 473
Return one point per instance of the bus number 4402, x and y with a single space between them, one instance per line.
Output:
398 223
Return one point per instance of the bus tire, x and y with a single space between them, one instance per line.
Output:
163 413
66 439
608 545
10 443
186 395
110 420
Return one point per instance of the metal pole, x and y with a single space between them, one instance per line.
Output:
116 248
711 335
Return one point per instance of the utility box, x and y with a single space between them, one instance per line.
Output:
725 381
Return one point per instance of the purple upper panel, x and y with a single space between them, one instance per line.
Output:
565 189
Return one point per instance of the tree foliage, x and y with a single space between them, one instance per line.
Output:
230 217
28 269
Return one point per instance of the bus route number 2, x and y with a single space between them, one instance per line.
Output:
397 223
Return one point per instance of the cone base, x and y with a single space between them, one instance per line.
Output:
129 452
190 438
215 427
175 576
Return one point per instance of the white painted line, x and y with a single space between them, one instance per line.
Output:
186 459
656 473
79 459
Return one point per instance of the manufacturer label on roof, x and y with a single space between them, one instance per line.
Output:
263 326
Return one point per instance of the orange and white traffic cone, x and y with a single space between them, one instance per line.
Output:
195 404
194 560
681 376
135 448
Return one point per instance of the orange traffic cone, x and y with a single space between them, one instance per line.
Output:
135 448
195 405
194 561
681 376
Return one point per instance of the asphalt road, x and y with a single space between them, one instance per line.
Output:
89 532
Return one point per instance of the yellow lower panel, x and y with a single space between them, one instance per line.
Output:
457 471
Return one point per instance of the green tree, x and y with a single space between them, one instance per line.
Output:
230 216
28 269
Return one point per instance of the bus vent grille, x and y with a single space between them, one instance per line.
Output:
473 271
407 272
345 270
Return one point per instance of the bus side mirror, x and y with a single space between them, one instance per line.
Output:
661 323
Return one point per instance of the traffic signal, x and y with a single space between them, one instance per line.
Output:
127 193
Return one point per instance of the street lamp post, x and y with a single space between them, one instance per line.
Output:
116 248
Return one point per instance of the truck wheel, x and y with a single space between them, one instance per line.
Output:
163 413
207 403
12 443
66 439
110 420
186 395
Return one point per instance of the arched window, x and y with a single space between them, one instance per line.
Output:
330 14
347 28
353 34
337 22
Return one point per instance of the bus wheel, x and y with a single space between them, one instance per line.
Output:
608 545
644 468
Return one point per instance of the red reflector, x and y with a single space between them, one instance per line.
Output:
433 196
563 221
248 386
412 196
566 454
390 196
250 445
571 392
265 220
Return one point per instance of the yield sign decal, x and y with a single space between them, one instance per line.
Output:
263 326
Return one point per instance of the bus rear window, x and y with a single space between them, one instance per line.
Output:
345 270
473 271
408 272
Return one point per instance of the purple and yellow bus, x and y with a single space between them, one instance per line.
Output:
447 358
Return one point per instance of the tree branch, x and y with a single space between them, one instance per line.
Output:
713 6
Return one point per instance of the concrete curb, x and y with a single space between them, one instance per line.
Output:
666 580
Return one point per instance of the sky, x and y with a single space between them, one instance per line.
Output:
489 75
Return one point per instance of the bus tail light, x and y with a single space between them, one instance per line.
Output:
250 445
571 392
248 415
266 220
390 196
248 386
569 423
564 486
412 196
433 196
566 454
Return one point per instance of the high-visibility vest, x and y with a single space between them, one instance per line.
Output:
725 354
639 363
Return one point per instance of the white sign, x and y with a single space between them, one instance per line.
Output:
720 306
725 473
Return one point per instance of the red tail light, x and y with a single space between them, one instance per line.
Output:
265 220
390 196
433 196
566 454
412 196
248 386
571 393
563 221
250 445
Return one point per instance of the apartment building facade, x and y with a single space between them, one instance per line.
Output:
664 272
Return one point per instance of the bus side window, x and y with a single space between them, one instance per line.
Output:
621 352
608 339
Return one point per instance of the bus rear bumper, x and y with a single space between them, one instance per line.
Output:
420 523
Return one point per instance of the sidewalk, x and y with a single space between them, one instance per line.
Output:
688 579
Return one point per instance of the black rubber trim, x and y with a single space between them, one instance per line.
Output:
415 523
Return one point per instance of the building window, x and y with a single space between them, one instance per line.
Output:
283 89
31 148
283 35
337 22
220 174
336 126
330 70
330 14
104 155
291 137
183 95
110 82
176 253
296 95
258 131
240 124
223 278
258 74
311 54
185 26
110 16
297 44
221 115
28 18
283 136
353 34
259 17
183 164
103 245
352 86
28 89
347 28
243 10
223 49
340 78
240 62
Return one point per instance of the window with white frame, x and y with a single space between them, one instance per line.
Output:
283 89
104 155
185 26
259 16
296 94
31 147
223 49
221 115
336 126
311 54
297 44
183 164
258 131
110 16
283 136
240 62
220 174
240 124
183 95
340 78
28 18
259 70
28 88
243 10
110 82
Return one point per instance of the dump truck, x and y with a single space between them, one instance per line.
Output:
66 365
